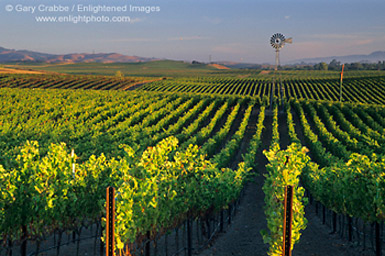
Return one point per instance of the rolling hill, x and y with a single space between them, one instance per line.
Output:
370 58
11 55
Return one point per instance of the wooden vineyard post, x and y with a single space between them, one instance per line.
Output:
110 221
287 220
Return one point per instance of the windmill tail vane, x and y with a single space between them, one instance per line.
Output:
289 40
278 40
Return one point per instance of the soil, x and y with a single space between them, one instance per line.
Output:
132 87
243 236
264 72
19 71
89 245
250 131
217 66
222 122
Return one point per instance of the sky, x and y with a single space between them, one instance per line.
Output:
237 30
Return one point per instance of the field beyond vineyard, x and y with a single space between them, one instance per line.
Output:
358 87
183 147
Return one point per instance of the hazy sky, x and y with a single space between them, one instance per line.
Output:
194 29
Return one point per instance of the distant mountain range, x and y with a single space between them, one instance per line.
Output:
374 57
10 55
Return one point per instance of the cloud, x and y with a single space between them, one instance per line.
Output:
308 49
344 40
335 36
363 42
287 17
146 40
137 20
188 38
134 40
328 47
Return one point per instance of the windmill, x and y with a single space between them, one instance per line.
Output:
277 41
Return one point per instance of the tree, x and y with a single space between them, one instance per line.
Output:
119 74
323 66
357 66
334 65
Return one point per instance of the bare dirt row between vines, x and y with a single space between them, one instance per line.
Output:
243 236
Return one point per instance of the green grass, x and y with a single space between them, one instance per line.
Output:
170 68
161 68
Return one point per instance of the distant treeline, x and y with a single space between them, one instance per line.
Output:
333 65
336 65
